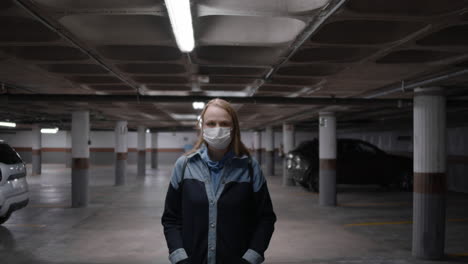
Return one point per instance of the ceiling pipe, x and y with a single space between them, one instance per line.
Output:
414 85
311 28
27 98
74 43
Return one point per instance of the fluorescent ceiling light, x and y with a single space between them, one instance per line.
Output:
188 123
181 21
49 130
198 105
184 117
148 130
7 124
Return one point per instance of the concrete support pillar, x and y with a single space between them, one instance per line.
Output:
327 156
154 150
68 156
141 165
257 140
80 158
288 145
36 150
121 152
430 180
269 152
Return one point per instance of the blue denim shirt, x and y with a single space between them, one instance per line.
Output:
216 167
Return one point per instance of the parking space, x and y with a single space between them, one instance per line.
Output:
122 224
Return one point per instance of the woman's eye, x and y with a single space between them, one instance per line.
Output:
211 124
224 124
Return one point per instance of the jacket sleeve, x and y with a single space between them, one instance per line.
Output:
265 218
172 215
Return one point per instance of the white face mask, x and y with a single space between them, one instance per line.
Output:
217 137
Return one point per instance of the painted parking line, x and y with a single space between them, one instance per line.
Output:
374 204
399 222
306 194
380 223
458 220
49 206
25 225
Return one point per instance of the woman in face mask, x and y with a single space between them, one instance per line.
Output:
218 209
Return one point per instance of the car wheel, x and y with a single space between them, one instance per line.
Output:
5 218
406 181
312 184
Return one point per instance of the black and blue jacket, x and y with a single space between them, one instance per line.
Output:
217 228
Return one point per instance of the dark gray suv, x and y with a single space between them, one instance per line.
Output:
358 162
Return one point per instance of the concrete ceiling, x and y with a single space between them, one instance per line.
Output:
273 48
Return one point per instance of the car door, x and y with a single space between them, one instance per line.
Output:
370 161
349 163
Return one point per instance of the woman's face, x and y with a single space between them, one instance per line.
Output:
216 116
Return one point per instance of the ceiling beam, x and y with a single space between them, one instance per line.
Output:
50 98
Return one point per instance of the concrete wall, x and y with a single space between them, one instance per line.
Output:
401 142
170 145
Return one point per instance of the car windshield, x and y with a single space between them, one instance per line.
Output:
307 148
368 149
8 155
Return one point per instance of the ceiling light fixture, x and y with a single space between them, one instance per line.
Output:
181 21
148 130
198 105
49 130
7 124
184 117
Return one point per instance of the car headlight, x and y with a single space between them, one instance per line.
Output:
289 163
298 162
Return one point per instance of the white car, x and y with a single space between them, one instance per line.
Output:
14 193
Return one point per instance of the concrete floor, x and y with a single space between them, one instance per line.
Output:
122 224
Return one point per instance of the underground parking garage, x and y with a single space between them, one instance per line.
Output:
353 115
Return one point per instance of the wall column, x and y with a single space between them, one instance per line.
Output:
430 180
36 150
80 158
269 152
121 152
288 145
141 165
154 150
68 143
327 156
257 140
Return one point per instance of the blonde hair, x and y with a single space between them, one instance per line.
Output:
236 143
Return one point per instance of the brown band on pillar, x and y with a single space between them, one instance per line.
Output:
328 164
141 152
68 150
80 163
36 152
154 150
430 183
122 155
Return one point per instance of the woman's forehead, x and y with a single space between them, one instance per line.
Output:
214 112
